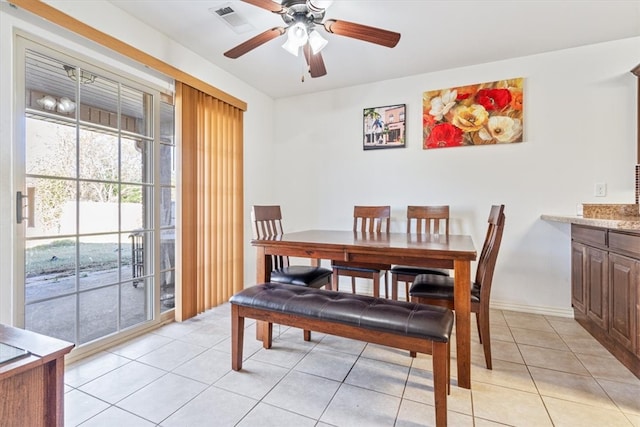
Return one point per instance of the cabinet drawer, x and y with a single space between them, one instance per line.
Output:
595 236
624 242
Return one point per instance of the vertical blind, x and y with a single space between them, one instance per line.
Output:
211 255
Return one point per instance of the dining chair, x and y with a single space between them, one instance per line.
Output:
366 219
436 289
267 222
421 220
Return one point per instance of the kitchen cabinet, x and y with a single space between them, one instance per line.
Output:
605 295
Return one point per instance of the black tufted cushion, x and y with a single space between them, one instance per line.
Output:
402 269
438 287
302 275
377 314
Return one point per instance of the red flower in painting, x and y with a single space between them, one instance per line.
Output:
428 120
493 99
444 135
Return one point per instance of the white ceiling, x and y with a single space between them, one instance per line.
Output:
436 35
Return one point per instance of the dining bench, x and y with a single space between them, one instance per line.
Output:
414 327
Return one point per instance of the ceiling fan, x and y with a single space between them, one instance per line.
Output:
301 18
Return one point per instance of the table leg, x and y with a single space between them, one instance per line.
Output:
263 275
263 266
462 298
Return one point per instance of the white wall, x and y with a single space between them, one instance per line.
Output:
580 128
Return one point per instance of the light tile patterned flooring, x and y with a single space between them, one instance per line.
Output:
547 371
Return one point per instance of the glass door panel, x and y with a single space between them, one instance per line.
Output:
90 263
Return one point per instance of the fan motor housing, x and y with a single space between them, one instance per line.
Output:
294 11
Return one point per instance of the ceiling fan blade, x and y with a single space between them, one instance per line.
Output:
314 61
270 5
254 42
362 32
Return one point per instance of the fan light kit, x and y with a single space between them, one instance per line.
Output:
300 18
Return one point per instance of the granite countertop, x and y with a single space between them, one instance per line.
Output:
620 217
614 222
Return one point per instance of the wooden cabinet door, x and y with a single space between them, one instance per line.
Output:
578 286
596 279
623 300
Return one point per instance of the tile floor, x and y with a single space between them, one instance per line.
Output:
548 371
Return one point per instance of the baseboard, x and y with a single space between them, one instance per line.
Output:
533 309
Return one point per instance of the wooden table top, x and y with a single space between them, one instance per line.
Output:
452 246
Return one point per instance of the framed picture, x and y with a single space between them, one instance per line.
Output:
477 114
384 127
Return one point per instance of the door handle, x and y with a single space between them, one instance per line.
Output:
20 205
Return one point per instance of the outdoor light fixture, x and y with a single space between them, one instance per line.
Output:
47 102
66 105
85 76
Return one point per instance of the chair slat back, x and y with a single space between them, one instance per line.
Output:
489 254
428 219
267 222
371 219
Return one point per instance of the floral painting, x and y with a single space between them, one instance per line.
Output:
478 114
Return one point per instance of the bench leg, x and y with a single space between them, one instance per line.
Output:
267 334
440 386
237 338
307 335
258 330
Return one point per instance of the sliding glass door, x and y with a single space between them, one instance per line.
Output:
96 199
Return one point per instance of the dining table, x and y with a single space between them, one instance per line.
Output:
451 251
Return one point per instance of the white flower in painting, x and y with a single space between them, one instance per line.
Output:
502 129
440 105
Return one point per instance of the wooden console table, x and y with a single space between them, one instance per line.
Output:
32 387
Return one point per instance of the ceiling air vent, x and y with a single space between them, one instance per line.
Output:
230 17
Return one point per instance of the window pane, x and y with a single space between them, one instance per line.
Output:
98 311
98 257
136 111
167 165
98 155
167 207
133 200
167 121
53 207
136 252
99 101
98 207
51 150
134 167
39 316
134 303
50 269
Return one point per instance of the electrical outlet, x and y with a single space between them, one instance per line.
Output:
600 189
